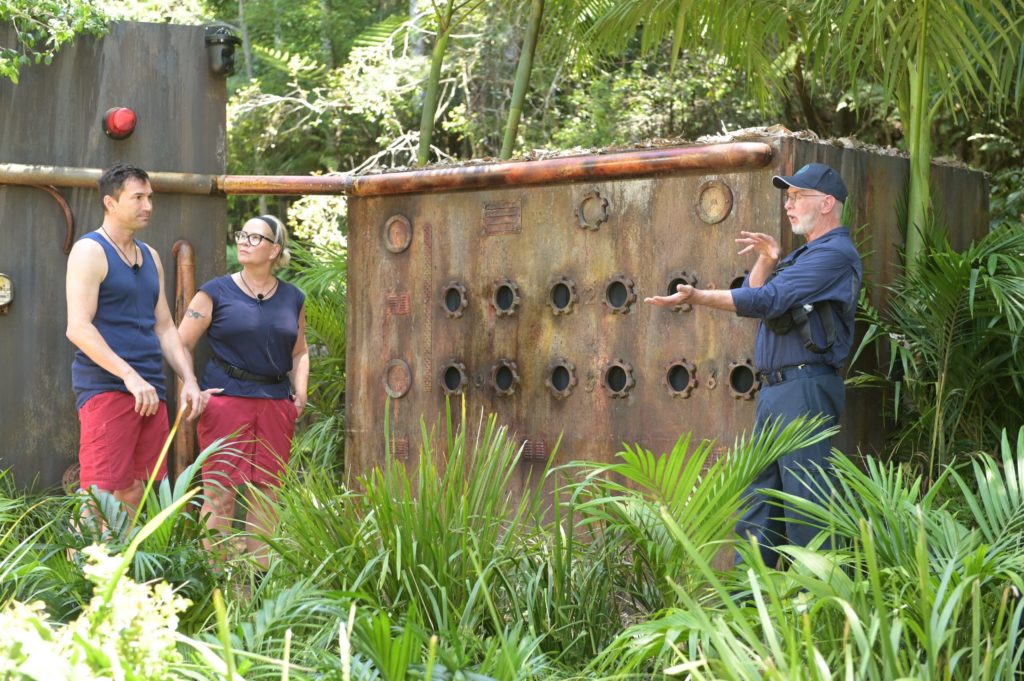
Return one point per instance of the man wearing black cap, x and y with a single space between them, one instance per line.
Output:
806 303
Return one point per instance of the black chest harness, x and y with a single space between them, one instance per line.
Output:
798 317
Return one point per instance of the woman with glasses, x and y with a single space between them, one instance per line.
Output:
254 386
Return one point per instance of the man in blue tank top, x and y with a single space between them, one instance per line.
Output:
119 320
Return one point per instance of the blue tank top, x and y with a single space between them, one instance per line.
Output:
257 336
125 317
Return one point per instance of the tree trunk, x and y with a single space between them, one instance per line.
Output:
523 72
247 50
434 85
919 144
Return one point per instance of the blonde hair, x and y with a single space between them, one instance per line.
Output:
280 238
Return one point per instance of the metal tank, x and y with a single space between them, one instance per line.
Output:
518 287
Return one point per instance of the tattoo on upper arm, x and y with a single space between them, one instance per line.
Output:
193 314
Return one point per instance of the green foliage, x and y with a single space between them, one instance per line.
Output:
322 273
952 330
640 102
903 595
41 27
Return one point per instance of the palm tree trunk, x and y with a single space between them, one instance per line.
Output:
247 51
434 84
523 72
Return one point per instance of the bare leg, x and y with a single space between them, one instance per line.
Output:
218 509
261 519
131 495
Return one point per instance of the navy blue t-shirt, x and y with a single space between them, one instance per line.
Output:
257 336
827 268
125 317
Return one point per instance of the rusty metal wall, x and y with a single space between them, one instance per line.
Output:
52 117
462 293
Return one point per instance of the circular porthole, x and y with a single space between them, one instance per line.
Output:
453 378
504 377
737 282
506 297
562 295
618 379
743 380
454 299
397 233
561 378
397 378
680 378
619 294
714 201
592 211
677 278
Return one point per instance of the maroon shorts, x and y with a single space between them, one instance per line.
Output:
259 439
117 445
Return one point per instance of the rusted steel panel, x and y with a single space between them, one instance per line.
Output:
52 119
481 271
526 301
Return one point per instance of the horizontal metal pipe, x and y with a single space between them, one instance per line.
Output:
62 176
714 157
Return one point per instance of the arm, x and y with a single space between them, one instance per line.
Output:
768 254
196 321
813 278
87 268
720 300
173 351
299 375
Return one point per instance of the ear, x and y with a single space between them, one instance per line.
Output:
828 204
108 203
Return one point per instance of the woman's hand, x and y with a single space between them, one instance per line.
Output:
204 397
300 404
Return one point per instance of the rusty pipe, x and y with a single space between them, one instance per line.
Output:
184 446
714 157
63 176
69 218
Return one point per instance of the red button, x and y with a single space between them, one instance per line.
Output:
119 122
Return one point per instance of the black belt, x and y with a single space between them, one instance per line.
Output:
796 371
243 375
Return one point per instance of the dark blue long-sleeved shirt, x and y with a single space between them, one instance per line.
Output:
827 268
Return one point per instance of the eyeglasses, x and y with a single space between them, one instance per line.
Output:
251 239
795 196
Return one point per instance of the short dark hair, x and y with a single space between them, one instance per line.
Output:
113 178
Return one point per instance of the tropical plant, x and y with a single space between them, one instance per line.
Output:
321 273
952 330
912 589
930 56
701 493
447 16
39 29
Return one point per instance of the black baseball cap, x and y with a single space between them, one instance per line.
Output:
816 176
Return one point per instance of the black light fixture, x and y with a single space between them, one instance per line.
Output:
220 48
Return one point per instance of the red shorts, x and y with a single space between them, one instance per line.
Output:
259 439
117 445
